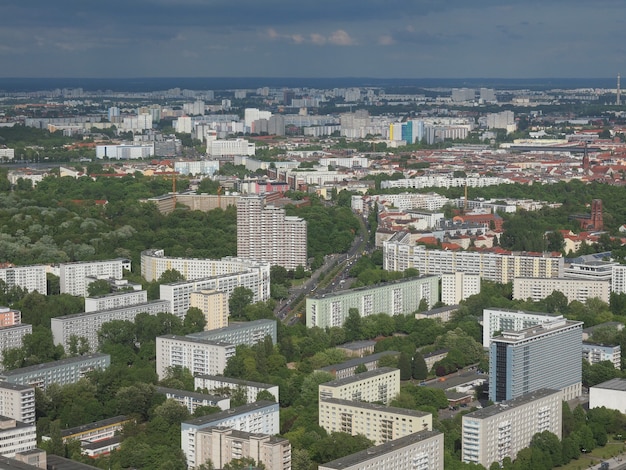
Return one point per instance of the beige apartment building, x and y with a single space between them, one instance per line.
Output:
378 385
222 444
378 423
214 306
574 289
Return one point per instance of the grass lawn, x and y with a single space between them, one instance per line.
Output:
595 457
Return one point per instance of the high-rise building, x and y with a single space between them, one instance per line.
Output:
541 356
265 233
214 306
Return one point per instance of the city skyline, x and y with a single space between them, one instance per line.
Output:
424 38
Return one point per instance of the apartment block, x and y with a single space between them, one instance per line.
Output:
12 337
193 400
618 278
16 436
348 368
248 333
458 286
17 402
266 233
422 450
86 325
498 266
198 355
98 430
502 430
541 356
63 372
220 385
594 353
376 422
213 305
574 289
32 278
393 298
9 317
73 275
221 444
115 300
378 385
259 417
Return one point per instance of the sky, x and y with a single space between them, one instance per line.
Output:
313 38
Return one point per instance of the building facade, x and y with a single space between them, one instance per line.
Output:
265 233
501 319
393 298
72 276
422 450
376 422
574 289
541 356
610 394
213 305
115 300
259 417
16 436
63 372
17 402
594 353
12 336
193 400
198 355
497 266
348 368
221 385
458 286
502 430
31 278
378 385
221 444
86 325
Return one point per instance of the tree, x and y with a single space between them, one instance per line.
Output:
265 395
194 321
404 364
550 445
360 369
178 377
170 276
172 412
239 299
419 369
243 464
353 325
99 287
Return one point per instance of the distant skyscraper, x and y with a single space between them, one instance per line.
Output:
541 356
265 233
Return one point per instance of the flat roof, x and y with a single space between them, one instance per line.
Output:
339 293
60 463
98 424
359 377
186 393
378 451
510 404
232 327
613 384
204 420
359 360
376 406
53 364
18 387
7 463
246 383
190 339
356 345
114 309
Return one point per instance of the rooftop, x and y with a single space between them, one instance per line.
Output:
246 383
358 360
53 364
498 408
613 384
361 376
377 407
203 421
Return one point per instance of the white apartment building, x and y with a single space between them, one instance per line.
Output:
221 444
218 384
503 267
498 431
73 275
500 319
404 201
265 233
199 356
193 400
378 385
214 306
419 451
618 278
458 286
7 154
17 402
247 332
32 278
259 417
444 181
63 372
574 289
86 325
376 422
12 336
115 300
229 148
16 436
125 151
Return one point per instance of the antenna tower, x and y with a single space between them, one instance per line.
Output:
619 92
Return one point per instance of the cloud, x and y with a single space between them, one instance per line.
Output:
341 38
386 40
